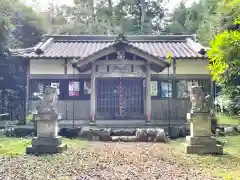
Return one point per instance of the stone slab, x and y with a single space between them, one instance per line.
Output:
203 149
201 140
46 149
46 141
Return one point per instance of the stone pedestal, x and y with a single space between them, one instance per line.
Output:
47 140
200 140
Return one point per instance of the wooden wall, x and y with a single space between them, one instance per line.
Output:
191 66
172 109
69 109
47 66
57 66
80 109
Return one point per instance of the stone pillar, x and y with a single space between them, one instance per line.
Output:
148 92
93 92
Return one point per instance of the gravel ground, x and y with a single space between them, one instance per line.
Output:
100 161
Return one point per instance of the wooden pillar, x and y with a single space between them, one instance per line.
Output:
27 88
174 81
93 92
65 66
148 92
212 92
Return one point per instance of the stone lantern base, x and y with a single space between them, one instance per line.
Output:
202 145
46 145
201 140
47 140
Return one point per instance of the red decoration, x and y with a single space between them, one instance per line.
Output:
121 98
93 116
149 116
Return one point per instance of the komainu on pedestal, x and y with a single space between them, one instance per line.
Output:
47 140
201 140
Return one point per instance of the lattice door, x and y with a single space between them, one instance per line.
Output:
120 98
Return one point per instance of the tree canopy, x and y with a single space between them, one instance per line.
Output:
225 53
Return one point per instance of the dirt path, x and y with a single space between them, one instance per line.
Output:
103 161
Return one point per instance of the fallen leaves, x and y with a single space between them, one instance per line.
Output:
102 161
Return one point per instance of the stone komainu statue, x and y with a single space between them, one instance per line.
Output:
48 101
200 102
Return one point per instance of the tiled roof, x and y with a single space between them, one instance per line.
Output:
70 46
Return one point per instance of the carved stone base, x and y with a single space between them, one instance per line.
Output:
44 145
44 141
206 140
202 145
203 149
46 149
200 125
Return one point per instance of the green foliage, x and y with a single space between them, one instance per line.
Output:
224 55
169 58
29 117
222 14
208 29
230 10
186 20
224 65
130 16
224 119
20 26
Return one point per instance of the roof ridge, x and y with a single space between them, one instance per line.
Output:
130 41
113 37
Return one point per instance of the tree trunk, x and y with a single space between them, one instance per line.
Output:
142 14
91 6
111 17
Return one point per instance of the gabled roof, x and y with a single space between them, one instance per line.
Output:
82 46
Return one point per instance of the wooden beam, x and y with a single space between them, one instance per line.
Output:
95 56
59 76
146 56
117 61
181 76
119 74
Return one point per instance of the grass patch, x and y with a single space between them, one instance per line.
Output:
224 119
227 166
17 146
13 146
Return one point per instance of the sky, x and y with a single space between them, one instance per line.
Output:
43 4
